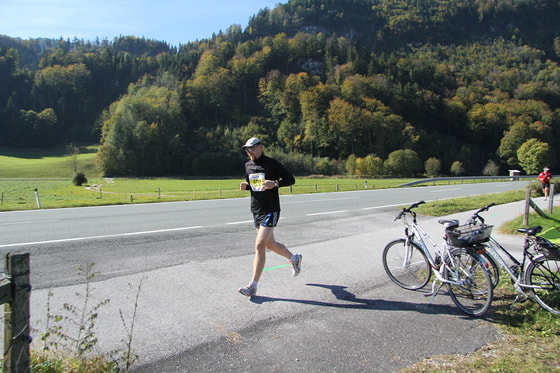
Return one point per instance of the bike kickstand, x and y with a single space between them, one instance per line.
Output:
435 290
521 297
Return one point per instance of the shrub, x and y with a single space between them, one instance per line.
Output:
79 179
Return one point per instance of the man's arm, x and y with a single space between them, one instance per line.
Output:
286 177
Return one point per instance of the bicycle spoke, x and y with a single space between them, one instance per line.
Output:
470 286
406 265
543 277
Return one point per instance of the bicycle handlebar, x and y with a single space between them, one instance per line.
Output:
486 208
409 209
476 215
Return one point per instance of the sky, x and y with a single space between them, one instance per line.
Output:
173 21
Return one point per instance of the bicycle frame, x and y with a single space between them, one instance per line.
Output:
425 241
519 281
492 247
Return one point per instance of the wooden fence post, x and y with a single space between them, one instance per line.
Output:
527 203
16 315
551 198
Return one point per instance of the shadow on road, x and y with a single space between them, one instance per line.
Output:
342 294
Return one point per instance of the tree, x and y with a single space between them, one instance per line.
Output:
403 163
144 133
457 168
533 155
512 140
369 166
491 169
432 167
72 152
351 164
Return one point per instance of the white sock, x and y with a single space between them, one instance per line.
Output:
253 284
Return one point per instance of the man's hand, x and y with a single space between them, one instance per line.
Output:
270 184
244 185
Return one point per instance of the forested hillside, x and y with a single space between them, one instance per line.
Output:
368 87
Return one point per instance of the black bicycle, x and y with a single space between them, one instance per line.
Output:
537 275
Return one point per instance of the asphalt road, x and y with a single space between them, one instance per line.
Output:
185 261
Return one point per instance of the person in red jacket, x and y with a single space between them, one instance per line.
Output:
545 177
263 177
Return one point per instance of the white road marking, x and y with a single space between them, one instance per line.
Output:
98 237
28 222
327 213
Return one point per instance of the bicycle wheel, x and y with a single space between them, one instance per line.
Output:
406 265
471 289
543 275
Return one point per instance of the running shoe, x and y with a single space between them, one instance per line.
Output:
248 291
296 264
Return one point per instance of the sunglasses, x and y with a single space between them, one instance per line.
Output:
251 148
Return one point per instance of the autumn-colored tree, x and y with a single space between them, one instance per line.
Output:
351 164
432 167
533 155
457 168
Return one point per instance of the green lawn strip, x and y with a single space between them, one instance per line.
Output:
451 206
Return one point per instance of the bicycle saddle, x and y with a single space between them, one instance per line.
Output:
449 223
530 231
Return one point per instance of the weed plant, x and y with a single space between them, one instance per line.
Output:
69 339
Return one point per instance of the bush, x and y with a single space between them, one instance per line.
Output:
79 179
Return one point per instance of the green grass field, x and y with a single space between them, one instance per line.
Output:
50 173
45 163
19 194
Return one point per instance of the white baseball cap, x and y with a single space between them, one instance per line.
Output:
253 141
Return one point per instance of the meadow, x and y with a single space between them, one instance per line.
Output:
47 174
21 193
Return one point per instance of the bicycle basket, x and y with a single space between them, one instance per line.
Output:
468 235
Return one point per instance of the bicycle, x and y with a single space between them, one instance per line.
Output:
537 275
409 263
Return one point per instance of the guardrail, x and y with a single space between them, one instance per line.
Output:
465 178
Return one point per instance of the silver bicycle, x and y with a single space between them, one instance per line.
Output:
409 263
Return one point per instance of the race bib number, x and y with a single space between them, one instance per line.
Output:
256 181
